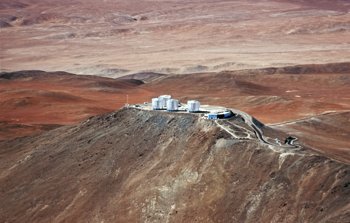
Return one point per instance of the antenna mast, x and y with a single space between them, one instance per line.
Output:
127 101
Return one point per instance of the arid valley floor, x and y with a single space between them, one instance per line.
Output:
111 38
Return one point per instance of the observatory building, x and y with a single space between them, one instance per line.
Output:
163 99
172 105
160 102
167 103
156 104
193 106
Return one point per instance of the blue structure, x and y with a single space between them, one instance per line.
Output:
212 116
219 115
227 114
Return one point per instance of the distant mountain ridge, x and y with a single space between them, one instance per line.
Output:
330 68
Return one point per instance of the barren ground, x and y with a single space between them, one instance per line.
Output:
146 166
34 101
328 133
114 38
270 95
286 62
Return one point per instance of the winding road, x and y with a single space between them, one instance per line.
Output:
249 120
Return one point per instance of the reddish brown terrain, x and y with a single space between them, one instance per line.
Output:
278 95
271 94
116 37
68 154
327 133
32 101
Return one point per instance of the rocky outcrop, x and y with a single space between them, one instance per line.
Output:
4 24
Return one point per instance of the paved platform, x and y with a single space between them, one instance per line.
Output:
183 108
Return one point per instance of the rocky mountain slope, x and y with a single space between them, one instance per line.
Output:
145 166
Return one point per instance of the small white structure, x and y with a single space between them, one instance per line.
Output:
193 106
156 105
219 114
163 100
212 116
172 105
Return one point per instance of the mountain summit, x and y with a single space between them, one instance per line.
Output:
148 166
